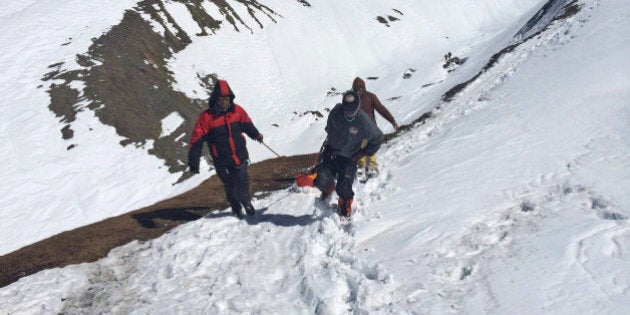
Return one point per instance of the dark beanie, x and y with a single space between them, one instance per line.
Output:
351 104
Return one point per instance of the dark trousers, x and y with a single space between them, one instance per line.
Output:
236 183
339 167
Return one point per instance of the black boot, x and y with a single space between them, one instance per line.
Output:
237 210
249 209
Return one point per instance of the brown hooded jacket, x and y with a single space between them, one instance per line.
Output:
369 102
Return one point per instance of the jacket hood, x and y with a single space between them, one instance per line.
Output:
221 88
358 82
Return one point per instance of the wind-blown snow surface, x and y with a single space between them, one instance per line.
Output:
289 67
278 70
512 199
47 189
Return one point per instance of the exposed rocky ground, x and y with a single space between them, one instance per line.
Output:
127 82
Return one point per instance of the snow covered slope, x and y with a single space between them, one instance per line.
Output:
513 198
281 73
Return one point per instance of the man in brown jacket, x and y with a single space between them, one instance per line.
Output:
369 104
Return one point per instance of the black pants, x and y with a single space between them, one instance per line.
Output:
236 183
339 167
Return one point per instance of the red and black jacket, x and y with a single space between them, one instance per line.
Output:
222 131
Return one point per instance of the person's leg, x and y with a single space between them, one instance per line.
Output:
325 180
225 175
240 186
372 163
372 166
347 173
362 162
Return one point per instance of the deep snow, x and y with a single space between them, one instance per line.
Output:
513 198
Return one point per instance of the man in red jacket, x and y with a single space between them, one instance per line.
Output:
370 103
222 127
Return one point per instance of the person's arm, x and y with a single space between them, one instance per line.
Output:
248 126
329 121
197 139
374 138
374 143
382 110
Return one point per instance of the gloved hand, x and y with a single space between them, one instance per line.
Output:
259 138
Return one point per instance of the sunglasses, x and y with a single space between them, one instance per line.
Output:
223 98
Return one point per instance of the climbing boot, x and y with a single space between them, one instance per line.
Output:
249 209
344 207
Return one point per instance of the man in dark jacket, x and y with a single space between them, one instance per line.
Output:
221 127
351 136
369 104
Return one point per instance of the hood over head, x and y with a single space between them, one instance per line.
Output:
358 83
221 88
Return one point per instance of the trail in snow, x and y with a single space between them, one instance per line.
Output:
468 214
475 253
294 250
297 60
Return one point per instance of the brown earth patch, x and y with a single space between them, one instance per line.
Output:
118 83
94 241
127 81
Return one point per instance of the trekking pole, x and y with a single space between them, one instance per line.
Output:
270 149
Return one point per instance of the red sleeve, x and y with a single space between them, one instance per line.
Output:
244 117
202 127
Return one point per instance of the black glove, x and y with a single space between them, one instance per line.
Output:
259 138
